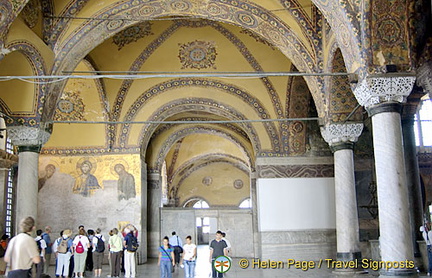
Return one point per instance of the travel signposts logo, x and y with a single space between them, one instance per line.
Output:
222 264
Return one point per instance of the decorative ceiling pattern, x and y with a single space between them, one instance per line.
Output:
132 34
204 83
70 107
197 55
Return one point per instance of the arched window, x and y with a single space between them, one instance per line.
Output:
196 203
247 203
423 123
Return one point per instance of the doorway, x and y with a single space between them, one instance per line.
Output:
205 226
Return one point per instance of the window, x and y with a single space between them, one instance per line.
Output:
201 204
423 123
9 195
247 203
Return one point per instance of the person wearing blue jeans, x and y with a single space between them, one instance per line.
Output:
166 259
218 247
189 257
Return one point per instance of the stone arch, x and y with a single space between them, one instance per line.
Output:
202 105
38 66
244 14
234 162
173 138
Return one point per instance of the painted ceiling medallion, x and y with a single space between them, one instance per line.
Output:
70 107
132 34
238 184
197 55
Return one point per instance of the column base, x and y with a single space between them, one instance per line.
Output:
412 272
352 266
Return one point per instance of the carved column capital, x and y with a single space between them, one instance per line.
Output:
424 77
337 134
23 136
375 90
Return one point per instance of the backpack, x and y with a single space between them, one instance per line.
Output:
132 244
79 248
100 246
62 246
38 242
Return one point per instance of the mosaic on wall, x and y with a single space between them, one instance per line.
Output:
95 191
389 32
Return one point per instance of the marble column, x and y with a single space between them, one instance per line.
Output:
153 212
254 200
29 141
413 181
382 97
341 138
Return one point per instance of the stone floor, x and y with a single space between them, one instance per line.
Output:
203 270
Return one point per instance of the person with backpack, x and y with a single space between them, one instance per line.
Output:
98 252
63 250
130 244
41 248
81 244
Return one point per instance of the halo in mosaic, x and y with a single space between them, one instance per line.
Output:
70 107
132 34
197 55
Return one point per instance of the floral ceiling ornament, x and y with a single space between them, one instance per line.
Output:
132 34
198 55
70 107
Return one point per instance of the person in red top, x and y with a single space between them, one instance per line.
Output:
3 245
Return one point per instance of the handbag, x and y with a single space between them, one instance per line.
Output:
171 265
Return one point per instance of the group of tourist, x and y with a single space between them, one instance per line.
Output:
74 253
172 253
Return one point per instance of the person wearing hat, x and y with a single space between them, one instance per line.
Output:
63 251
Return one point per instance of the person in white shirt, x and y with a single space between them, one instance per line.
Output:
41 243
228 248
189 257
427 236
81 244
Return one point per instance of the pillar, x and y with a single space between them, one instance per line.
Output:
153 221
341 138
256 233
29 141
382 97
413 181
